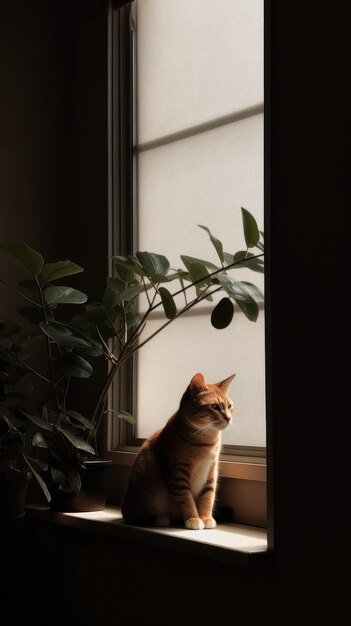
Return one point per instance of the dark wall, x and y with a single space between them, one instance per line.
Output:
53 142
53 193
310 204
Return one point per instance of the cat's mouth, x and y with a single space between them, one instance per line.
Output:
223 423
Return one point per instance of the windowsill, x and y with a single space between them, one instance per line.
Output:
238 544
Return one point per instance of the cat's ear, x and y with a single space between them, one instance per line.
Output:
197 384
225 384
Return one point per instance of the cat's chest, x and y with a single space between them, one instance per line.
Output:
199 474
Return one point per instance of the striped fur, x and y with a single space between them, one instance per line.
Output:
175 474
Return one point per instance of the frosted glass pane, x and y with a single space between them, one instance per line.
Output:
196 60
201 180
189 345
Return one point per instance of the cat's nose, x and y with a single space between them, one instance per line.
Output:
227 418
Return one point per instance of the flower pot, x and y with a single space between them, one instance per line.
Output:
92 496
13 493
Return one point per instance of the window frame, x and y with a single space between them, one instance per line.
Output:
120 445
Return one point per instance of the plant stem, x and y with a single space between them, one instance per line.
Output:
105 388
141 324
51 369
98 421
65 393
187 308
19 293
147 295
28 367
108 351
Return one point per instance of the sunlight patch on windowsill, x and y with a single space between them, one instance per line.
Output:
235 543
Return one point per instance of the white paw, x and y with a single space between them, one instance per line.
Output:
194 523
162 520
209 522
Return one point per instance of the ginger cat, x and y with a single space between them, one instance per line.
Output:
175 473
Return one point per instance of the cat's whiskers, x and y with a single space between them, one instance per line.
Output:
197 434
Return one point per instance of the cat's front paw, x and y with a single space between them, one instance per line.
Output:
194 523
209 522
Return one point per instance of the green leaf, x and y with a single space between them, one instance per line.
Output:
217 244
95 312
37 420
132 291
112 297
81 419
251 289
113 292
76 441
196 269
106 331
154 265
240 292
31 313
251 231
23 255
38 463
179 274
123 415
31 463
39 441
128 264
64 295
210 266
222 314
116 284
94 350
53 271
244 259
9 328
8 356
168 303
249 307
7 415
80 322
74 481
74 365
232 287
228 258
132 319
63 336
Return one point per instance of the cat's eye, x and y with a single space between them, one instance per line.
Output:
215 406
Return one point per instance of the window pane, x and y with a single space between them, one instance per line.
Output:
196 60
190 345
201 180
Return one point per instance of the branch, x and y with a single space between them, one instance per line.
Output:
28 367
51 369
108 351
201 280
126 353
20 293
187 308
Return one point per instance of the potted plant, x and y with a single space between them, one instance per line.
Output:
39 431
115 330
17 465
